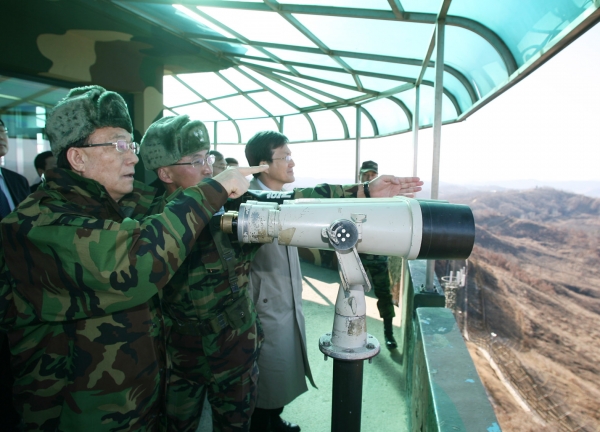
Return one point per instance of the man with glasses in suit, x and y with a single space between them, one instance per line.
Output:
14 188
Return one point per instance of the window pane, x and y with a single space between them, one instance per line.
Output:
388 116
273 104
226 132
258 26
328 125
201 111
297 128
333 32
239 80
175 93
208 84
249 128
238 107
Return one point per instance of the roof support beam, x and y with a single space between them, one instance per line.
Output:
437 126
357 149
415 129
397 8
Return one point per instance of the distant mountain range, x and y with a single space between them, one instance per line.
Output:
589 188
533 303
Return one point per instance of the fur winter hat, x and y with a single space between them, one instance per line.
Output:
169 139
81 112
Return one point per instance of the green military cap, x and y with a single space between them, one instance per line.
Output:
81 112
169 139
369 166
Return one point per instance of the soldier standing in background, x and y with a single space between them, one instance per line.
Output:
378 271
219 165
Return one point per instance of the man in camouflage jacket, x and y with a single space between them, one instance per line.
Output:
215 337
80 269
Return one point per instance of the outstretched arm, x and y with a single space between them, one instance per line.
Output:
389 186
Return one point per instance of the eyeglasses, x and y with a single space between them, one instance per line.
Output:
210 159
122 146
288 158
3 130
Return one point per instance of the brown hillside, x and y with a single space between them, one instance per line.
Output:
532 302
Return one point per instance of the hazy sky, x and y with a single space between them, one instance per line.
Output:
545 128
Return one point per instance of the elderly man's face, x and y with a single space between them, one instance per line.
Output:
368 176
3 141
189 175
109 167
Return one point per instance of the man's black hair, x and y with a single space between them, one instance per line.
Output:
230 161
218 155
261 146
40 160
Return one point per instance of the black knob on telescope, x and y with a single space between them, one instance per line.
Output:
448 230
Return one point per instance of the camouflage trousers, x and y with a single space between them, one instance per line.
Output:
222 366
379 276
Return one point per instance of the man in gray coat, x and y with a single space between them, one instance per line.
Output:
276 288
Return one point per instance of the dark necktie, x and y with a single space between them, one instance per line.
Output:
4 206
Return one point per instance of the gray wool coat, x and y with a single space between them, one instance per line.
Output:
276 288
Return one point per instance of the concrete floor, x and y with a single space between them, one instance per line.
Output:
384 407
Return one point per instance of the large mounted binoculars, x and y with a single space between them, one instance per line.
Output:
399 226
406 227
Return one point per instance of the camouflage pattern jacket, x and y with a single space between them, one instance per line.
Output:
201 290
79 275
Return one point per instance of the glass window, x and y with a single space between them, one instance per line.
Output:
297 128
454 86
201 111
426 110
273 104
388 116
208 84
227 132
365 126
332 90
267 64
258 26
249 128
328 125
302 57
291 95
400 70
379 84
480 63
238 107
175 93
239 80
333 32
363 4
338 77
315 95
349 114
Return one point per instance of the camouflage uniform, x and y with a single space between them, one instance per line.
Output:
79 278
213 343
379 275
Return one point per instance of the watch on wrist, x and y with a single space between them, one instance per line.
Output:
366 189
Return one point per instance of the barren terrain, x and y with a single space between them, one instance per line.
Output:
531 307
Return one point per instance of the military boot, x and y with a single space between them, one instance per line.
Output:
388 332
